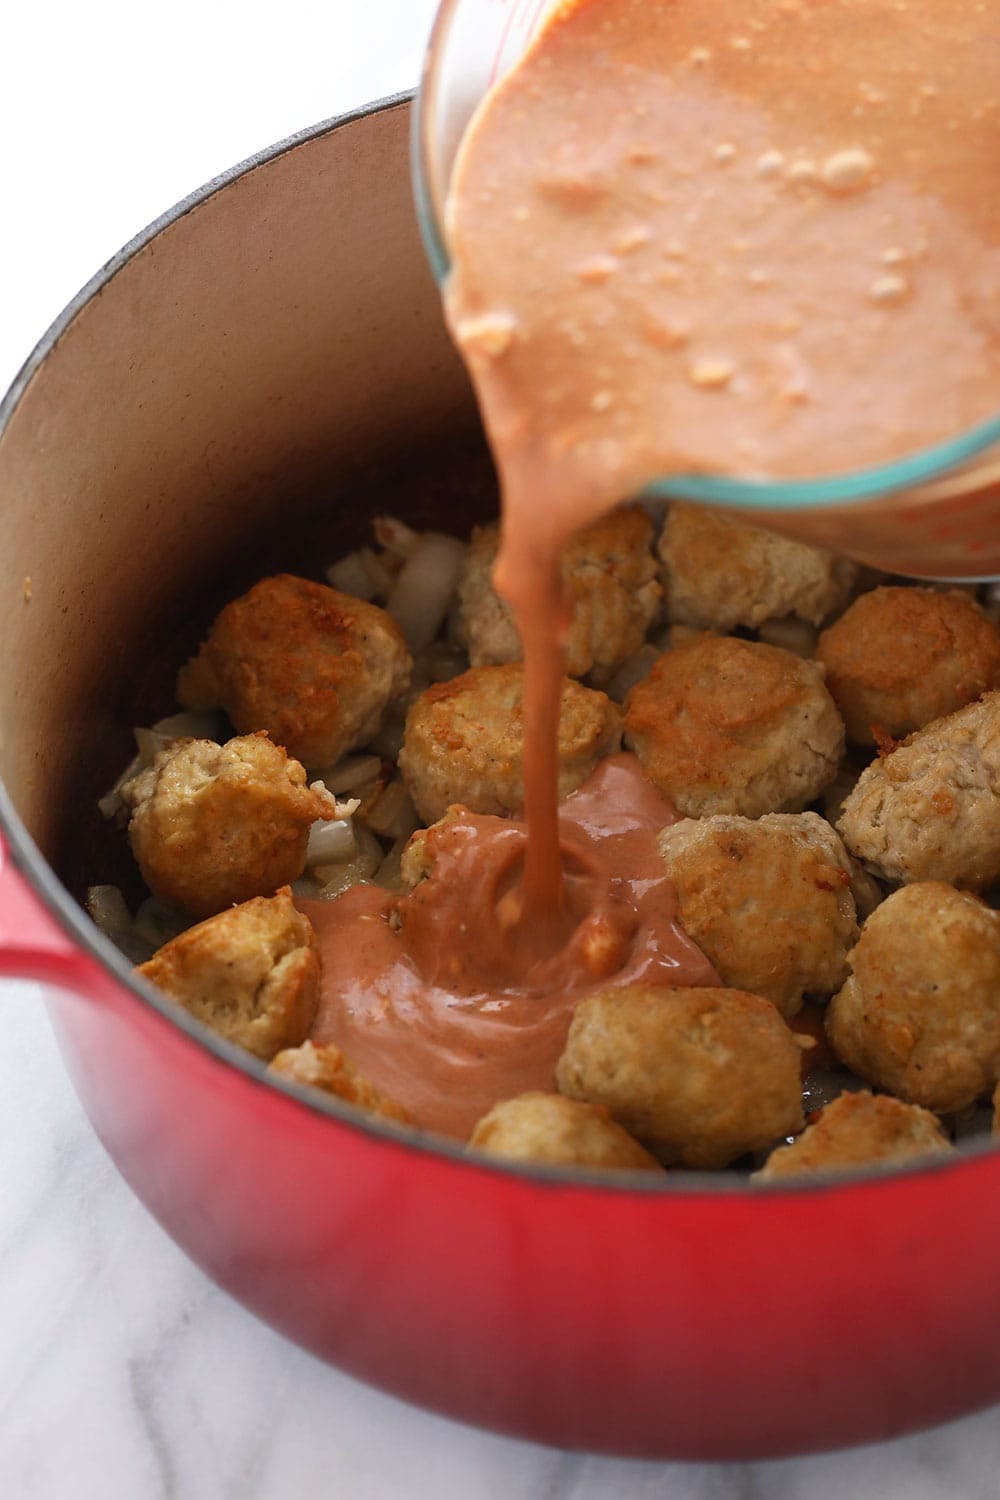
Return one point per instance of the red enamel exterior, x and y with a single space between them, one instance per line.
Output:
694 1324
692 1319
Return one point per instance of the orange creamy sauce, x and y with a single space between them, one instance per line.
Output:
441 998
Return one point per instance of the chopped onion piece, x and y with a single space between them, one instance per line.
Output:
107 910
791 634
330 843
205 724
422 593
389 872
327 881
632 670
112 803
392 814
380 577
389 740
351 773
156 923
440 662
395 536
350 575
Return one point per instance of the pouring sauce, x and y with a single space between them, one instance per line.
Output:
753 237
448 1002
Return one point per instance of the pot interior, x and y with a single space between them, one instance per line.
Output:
249 386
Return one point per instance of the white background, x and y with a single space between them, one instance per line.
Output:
123 1374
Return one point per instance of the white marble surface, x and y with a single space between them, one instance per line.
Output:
124 1374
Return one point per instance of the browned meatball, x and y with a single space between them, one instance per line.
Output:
314 668
856 1130
900 657
464 741
730 726
721 573
700 1076
610 576
559 1132
930 810
325 1067
919 1015
770 902
251 973
215 824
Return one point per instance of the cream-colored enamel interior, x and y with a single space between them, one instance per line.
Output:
272 345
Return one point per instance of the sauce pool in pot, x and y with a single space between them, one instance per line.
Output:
440 998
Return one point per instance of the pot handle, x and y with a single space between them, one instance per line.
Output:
32 944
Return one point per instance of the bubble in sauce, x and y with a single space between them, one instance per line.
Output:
848 170
711 374
770 163
490 334
888 288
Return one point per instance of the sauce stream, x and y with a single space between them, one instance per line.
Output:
446 1009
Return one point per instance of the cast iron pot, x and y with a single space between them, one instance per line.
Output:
271 346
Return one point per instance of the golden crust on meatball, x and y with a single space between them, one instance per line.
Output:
700 1076
901 657
919 1015
325 1067
772 902
720 573
559 1132
856 1130
215 824
723 725
464 741
251 973
313 667
930 810
610 577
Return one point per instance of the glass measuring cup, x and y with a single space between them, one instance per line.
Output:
934 513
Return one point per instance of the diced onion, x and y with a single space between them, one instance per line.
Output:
107 910
632 670
205 724
395 536
350 575
422 593
440 662
791 634
351 773
330 843
392 814
112 803
389 872
324 882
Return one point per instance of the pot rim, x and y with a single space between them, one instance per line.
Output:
74 921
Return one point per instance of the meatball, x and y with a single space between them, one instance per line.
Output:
215 824
853 1131
251 973
900 657
326 1068
919 1015
730 726
464 741
773 903
720 573
930 810
610 576
700 1076
314 668
559 1132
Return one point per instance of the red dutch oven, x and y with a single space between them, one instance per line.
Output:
270 347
